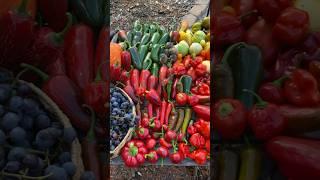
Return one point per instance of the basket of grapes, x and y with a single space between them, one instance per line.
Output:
37 140
123 120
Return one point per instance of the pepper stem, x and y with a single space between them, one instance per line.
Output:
91 134
59 37
261 103
225 109
23 7
98 75
278 83
40 73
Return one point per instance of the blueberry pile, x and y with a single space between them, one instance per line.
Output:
32 143
121 117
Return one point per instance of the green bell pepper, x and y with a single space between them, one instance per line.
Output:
93 12
245 62
147 62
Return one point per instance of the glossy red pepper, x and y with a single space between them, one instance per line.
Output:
292 26
301 89
101 53
196 61
260 34
131 155
271 9
142 132
126 60
296 158
163 72
200 156
184 149
155 125
229 118
57 67
152 82
203 127
197 140
201 70
192 129
265 119
150 110
164 143
187 61
163 152
204 89
124 77
153 97
227 29
145 121
193 100
168 112
130 91
191 72
152 156
245 9
115 73
181 99
134 78
179 69
272 91
202 111
163 112
170 135
176 157
151 143
79 54
174 88
208 145
17 35
143 81
54 12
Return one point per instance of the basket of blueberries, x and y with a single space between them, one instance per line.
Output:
37 140
122 120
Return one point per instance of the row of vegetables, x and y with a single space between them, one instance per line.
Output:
167 77
266 78
62 39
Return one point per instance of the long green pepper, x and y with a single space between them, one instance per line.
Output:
143 50
155 69
137 62
155 52
147 62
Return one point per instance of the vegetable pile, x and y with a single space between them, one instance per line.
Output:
167 77
266 77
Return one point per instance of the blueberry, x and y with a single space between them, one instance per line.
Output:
5 94
69 134
57 173
15 103
30 107
30 161
42 122
2 137
9 121
115 104
44 139
17 135
2 110
64 157
27 122
70 168
23 90
16 154
87 175
12 167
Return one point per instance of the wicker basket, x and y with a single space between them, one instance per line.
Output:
116 151
50 106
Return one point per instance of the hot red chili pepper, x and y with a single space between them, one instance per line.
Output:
200 156
163 72
150 110
265 119
168 112
134 77
271 9
54 12
163 111
164 143
95 95
152 82
202 111
153 97
151 143
292 26
197 140
272 91
101 53
296 158
152 156
143 81
180 137
229 118
130 91
181 99
131 155
66 95
115 72
260 34
79 54
158 113
227 29
124 77
16 35
163 152
301 89
142 132
57 67
184 149
174 88
126 60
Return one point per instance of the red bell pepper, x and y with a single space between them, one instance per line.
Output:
187 61
48 45
153 97
143 81
245 9
130 91
229 118
54 12
301 89
176 156
184 149
196 61
179 69
142 132
191 129
144 121
115 73
292 26
101 53
151 143
271 9
191 72
202 111
152 156
134 78
272 91
296 158
193 100
227 29
163 72
163 152
57 67
260 34
265 119
131 155
204 89
181 99
79 55
126 60
199 156
17 35
203 127
201 70
197 140
66 95
170 135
